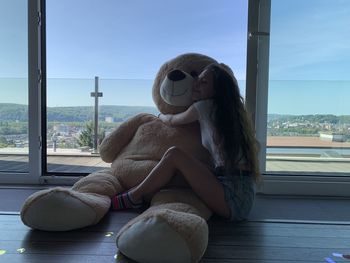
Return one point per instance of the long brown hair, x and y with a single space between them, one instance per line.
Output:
234 127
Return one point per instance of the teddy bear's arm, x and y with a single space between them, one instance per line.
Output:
120 137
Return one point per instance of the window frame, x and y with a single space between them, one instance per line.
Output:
34 111
321 184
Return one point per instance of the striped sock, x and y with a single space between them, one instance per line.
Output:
123 201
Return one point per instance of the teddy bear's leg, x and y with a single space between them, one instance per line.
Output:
164 235
102 182
62 209
173 229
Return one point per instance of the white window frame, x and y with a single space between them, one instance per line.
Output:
34 129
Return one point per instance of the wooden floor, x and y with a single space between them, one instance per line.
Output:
248 242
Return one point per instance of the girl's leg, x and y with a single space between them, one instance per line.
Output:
198 176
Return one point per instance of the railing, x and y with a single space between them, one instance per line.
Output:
72 129
116 100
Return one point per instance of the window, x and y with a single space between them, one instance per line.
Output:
13 87
308 129
123 44
116 49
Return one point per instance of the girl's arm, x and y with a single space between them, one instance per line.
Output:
190 115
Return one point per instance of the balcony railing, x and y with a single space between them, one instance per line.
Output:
71 129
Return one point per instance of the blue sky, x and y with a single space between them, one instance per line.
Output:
120 41
131 39
310 40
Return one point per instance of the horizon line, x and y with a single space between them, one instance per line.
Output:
148 106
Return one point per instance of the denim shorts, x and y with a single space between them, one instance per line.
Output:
239 187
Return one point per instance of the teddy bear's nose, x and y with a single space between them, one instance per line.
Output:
194 74
176 75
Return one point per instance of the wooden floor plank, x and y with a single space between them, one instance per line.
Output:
270 253
57 247
58 258
108 237
246 242
240 260
281 242
70 236
280 230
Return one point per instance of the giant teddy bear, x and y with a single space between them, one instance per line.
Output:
173 228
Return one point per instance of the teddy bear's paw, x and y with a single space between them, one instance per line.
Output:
153 240
60 209
164 235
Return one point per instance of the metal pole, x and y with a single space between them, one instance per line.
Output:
96 117
96 94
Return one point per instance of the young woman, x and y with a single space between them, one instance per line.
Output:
228 189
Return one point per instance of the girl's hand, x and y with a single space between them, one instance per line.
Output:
188 116
166 118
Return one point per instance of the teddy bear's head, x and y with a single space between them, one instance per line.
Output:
170 98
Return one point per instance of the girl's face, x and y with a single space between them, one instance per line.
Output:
203 87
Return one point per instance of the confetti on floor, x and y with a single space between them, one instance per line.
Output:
2 252
21 250
118 256
109 234
339 255
329 260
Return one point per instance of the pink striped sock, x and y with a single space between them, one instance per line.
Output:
123 201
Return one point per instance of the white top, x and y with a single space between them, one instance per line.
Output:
205 109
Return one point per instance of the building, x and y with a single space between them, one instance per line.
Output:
333 137
109 119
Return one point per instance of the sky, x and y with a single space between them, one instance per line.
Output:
125 43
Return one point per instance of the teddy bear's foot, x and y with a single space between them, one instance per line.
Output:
153 240
164 236
61 209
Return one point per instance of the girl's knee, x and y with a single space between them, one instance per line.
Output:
174 153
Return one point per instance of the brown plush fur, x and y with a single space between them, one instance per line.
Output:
134 148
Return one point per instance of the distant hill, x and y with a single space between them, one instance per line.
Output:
18 112
13 112
313 118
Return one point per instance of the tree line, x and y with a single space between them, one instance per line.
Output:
19 112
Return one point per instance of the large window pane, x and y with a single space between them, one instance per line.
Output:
309 87
13 86
124 43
